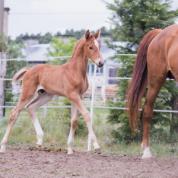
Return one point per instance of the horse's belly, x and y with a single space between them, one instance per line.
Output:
54 88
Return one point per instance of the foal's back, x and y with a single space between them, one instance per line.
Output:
50 77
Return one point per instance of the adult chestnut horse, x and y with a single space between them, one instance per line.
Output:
42 82
156 60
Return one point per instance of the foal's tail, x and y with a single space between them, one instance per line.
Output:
139 78
19 75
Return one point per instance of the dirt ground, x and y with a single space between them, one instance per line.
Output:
44 163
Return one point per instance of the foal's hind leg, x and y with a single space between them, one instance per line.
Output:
154 85
26 95
80 106
73 126
39 100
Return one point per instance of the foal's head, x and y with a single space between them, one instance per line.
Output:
92 48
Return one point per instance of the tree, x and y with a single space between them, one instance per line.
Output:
131 20
14 50
58 48
72 33
46 38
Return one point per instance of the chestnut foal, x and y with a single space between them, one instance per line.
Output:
42 82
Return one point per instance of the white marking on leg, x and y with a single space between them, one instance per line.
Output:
4 140
70 141
89 143
3 148
13 117
146 153
73 125
91 137
86 116
39 131
32 107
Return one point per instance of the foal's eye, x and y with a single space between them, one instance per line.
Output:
91 47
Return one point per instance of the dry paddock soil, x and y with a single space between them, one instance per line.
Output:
44 163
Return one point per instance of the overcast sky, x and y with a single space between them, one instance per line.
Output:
36 16
40 16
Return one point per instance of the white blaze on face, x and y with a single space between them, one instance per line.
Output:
97 45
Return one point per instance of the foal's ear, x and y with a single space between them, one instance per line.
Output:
97 34
87 34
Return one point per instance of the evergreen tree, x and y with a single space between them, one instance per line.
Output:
131 20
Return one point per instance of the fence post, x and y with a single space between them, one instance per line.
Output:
1 57
93 94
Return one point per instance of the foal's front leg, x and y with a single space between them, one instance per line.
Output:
91 135
73 126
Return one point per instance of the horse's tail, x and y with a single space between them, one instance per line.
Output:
138 83
19 75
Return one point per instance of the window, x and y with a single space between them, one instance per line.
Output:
113 73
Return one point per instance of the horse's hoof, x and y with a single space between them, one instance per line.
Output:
147 153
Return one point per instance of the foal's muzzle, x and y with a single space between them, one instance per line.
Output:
100 64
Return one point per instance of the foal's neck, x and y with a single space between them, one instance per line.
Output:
79 59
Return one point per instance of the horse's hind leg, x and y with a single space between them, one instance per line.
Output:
39 100
154 85
73 126
27 93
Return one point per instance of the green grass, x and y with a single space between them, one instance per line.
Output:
56 129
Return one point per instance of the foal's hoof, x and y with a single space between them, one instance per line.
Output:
70 151
3 149
38 145
98 150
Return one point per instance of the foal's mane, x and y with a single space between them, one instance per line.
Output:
78 46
